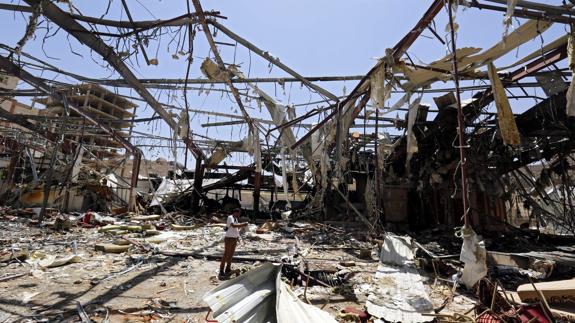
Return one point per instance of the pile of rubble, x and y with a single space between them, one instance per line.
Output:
137 267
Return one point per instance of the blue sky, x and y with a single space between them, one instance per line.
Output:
315 38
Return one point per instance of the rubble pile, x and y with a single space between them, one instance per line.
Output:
436 187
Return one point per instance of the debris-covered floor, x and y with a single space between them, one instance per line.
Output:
139 268
380 161
169 280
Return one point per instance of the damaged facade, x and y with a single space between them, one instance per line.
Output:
437 191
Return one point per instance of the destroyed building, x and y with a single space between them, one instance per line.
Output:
433 185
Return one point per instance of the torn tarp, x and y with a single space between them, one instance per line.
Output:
217 156
474 255
184 125
397 250
170 187
470 59
253 147
261 296
379 90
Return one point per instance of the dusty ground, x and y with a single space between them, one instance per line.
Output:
140 286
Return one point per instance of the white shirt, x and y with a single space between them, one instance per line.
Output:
232 232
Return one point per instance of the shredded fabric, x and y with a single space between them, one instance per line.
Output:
411 139
218 155
184 124
571 91
509 15
400 103
379 90
505 118
211 70
474 256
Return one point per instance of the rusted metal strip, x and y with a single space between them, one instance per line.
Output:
220 62
542 62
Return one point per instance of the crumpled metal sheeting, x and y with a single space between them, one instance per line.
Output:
248 298
261 296
290 309
398 294
469 59
505 117
397 250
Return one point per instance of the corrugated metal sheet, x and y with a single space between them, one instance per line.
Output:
261 296
398 294
172 187
290 309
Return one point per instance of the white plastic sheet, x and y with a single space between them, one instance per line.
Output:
474 255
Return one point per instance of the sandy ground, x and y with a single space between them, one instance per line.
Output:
140 286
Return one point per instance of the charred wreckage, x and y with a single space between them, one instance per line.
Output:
479 141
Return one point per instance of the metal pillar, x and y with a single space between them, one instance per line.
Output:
257 188
198 180
134 179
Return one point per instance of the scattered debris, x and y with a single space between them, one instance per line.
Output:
113 212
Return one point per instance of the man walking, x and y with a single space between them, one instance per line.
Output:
230 241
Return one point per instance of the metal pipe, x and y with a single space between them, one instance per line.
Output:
243 80
524 13
460 123
266 55
538 6
227 77
66 22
